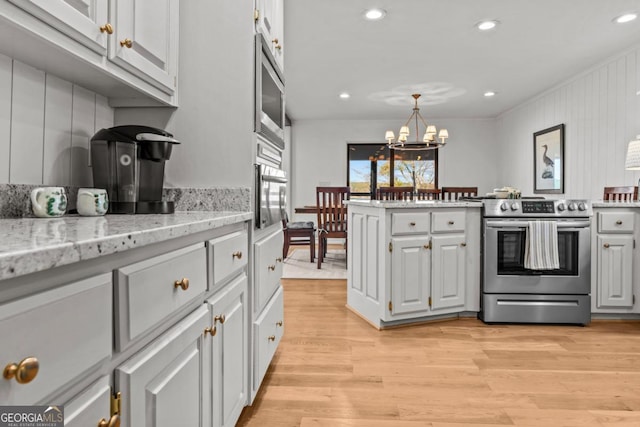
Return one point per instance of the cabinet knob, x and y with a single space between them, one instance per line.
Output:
606 246
451 222
128 43
106 28
618 222
274 41
463 244
279 323
114 421
413 224
278 259
219 318
23 372
279 47
272 267
211 331
184 284
237 254
272 338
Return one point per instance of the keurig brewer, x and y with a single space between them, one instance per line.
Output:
128 161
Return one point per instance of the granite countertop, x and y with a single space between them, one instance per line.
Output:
404 204
613 204
35 244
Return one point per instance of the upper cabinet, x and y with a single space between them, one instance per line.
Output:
269 17
126 50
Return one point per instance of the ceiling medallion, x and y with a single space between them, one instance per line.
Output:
429 141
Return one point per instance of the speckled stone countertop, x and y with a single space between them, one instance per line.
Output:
402 204
608 204
29 245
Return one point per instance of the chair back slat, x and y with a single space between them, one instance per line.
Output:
332 212
454 193
621 194
395 193
429 194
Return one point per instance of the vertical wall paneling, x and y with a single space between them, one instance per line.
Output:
630 107
5 116
57 131
82 127
27 124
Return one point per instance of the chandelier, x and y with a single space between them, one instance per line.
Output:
429 141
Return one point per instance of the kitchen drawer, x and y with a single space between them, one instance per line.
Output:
67 329
227 255
268 331
149 291
90 406
410 223
268 264
448 221
615 222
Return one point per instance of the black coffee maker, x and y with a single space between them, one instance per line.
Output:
128 161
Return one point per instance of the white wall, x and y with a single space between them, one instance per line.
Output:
319 153
601 113
214 120
45 127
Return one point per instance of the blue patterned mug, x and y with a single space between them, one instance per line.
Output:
92 201
48 202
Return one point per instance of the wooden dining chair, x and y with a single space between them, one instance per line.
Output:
621 194
454 193
298 233
332 216
395 193
429 194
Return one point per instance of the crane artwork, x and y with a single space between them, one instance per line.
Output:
547 173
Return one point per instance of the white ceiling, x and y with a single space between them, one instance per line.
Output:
432 47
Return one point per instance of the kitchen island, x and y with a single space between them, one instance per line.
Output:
413 261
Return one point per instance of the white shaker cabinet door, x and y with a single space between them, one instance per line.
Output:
615 271
91 406
146 40
448 272
164 384
410 273
83 20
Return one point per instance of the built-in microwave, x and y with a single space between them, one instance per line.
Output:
270 115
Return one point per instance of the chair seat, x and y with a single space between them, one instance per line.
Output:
300 225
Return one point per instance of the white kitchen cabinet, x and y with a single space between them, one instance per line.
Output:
268 330
228 343
615 281
86 21
270 22
146 40
413 264
268 268
91 406
164 385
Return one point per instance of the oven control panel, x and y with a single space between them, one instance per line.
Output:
546 206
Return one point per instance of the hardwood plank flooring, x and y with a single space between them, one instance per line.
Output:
332 369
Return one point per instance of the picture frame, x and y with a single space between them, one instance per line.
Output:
548 160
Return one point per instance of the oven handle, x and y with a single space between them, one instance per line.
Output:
524 224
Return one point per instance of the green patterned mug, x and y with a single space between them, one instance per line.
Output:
92 201
48 202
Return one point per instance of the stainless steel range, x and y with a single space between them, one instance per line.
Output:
514 293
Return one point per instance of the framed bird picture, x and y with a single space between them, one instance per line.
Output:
548 160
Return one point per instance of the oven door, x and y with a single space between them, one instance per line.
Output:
504 249
271 190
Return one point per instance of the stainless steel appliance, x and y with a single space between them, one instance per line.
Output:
513 293
270 112
128 161
271 191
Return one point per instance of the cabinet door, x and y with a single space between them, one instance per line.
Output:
448 271
164 384
268 269
89 407
79 19
146 40
410 271
229 355
615 257
270 23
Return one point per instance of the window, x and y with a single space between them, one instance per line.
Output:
372 166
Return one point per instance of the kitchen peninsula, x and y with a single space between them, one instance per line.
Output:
413 261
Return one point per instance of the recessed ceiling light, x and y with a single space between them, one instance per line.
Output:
486 25
374 14
627 17
345 95
489 94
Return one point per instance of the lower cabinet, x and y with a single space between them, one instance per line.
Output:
228 344
165 384
267 333
91 407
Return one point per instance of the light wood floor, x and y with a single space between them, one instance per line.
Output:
334 370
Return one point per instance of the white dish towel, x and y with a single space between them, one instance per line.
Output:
541 246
